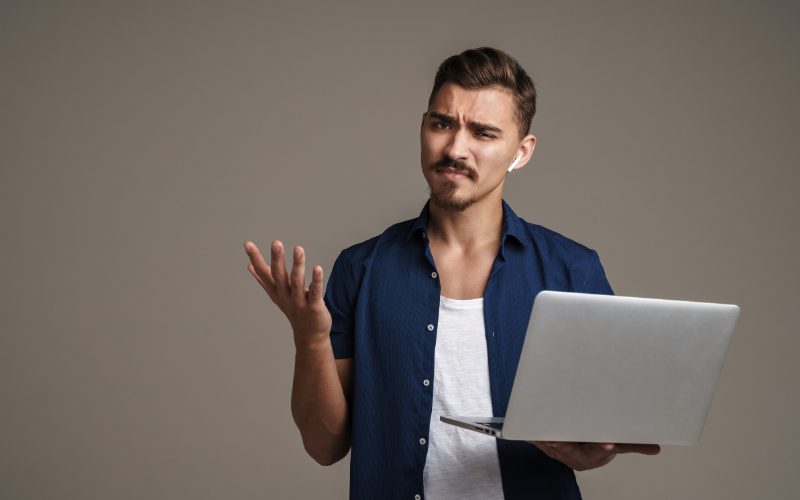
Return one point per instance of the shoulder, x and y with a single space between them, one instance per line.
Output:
354 262
556 246
566 264
364 252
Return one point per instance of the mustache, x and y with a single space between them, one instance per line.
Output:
454 164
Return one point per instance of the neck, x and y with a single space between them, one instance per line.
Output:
477 226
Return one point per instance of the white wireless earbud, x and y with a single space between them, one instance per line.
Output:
515 163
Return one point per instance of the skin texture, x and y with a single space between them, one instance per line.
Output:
468 140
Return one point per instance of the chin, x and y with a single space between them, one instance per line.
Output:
451 203
452 206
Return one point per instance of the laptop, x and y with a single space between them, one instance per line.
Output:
607 369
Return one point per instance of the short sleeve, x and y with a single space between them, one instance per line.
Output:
341 305
595 281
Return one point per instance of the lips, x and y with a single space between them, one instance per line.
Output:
453 174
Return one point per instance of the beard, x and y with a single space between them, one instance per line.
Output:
444 197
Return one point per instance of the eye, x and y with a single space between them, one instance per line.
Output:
442 127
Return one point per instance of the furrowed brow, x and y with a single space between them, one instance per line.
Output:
481 127
443 117
485 127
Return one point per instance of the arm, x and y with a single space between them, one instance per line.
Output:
322 385
321 396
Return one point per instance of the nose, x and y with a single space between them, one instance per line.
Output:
458 147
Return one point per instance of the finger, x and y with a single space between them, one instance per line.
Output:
297 279
596 451
564 447
278 265
262 270
549 450
644 449
581 454
315 290
255 275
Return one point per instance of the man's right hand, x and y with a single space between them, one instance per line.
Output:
303 306
321 383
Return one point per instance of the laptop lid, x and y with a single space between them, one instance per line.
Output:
598 368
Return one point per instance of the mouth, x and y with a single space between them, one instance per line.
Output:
453 174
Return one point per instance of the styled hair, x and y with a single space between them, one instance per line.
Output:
486 67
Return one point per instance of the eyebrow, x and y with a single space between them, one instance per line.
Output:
483 127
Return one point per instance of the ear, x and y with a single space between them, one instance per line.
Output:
525 149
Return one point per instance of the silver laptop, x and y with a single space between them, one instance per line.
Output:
599 368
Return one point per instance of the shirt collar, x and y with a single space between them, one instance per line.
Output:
512 225
420 224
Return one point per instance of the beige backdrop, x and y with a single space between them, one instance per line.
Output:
143 142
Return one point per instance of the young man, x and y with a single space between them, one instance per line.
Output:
429 317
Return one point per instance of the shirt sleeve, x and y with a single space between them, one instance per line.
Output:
595 281
341 305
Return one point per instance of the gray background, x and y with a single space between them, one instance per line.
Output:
143 142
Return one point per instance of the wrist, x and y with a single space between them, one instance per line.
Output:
311 342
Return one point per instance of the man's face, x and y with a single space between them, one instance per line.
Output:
469 139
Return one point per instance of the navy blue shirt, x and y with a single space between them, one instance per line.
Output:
383 296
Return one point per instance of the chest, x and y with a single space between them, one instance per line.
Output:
398 330
463 276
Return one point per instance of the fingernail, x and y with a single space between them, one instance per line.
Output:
316 271
297 253
247 248
275 248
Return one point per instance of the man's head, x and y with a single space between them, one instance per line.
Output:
485 68
479 113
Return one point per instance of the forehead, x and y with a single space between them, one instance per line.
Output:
495 105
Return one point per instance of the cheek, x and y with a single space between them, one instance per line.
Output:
430 150
489 159
489 167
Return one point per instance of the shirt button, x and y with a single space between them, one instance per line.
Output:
433 274
426 382
422 441
417 497
430 328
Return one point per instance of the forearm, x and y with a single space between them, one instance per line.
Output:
319 406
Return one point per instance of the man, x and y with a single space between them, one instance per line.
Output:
429 317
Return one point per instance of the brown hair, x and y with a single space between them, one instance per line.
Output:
486 67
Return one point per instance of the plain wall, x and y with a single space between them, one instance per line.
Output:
143 142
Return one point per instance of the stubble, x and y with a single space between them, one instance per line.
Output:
445 196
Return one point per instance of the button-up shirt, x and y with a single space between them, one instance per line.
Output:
383 295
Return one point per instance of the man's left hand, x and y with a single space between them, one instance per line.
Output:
585 456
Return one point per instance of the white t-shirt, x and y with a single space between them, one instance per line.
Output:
461 464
